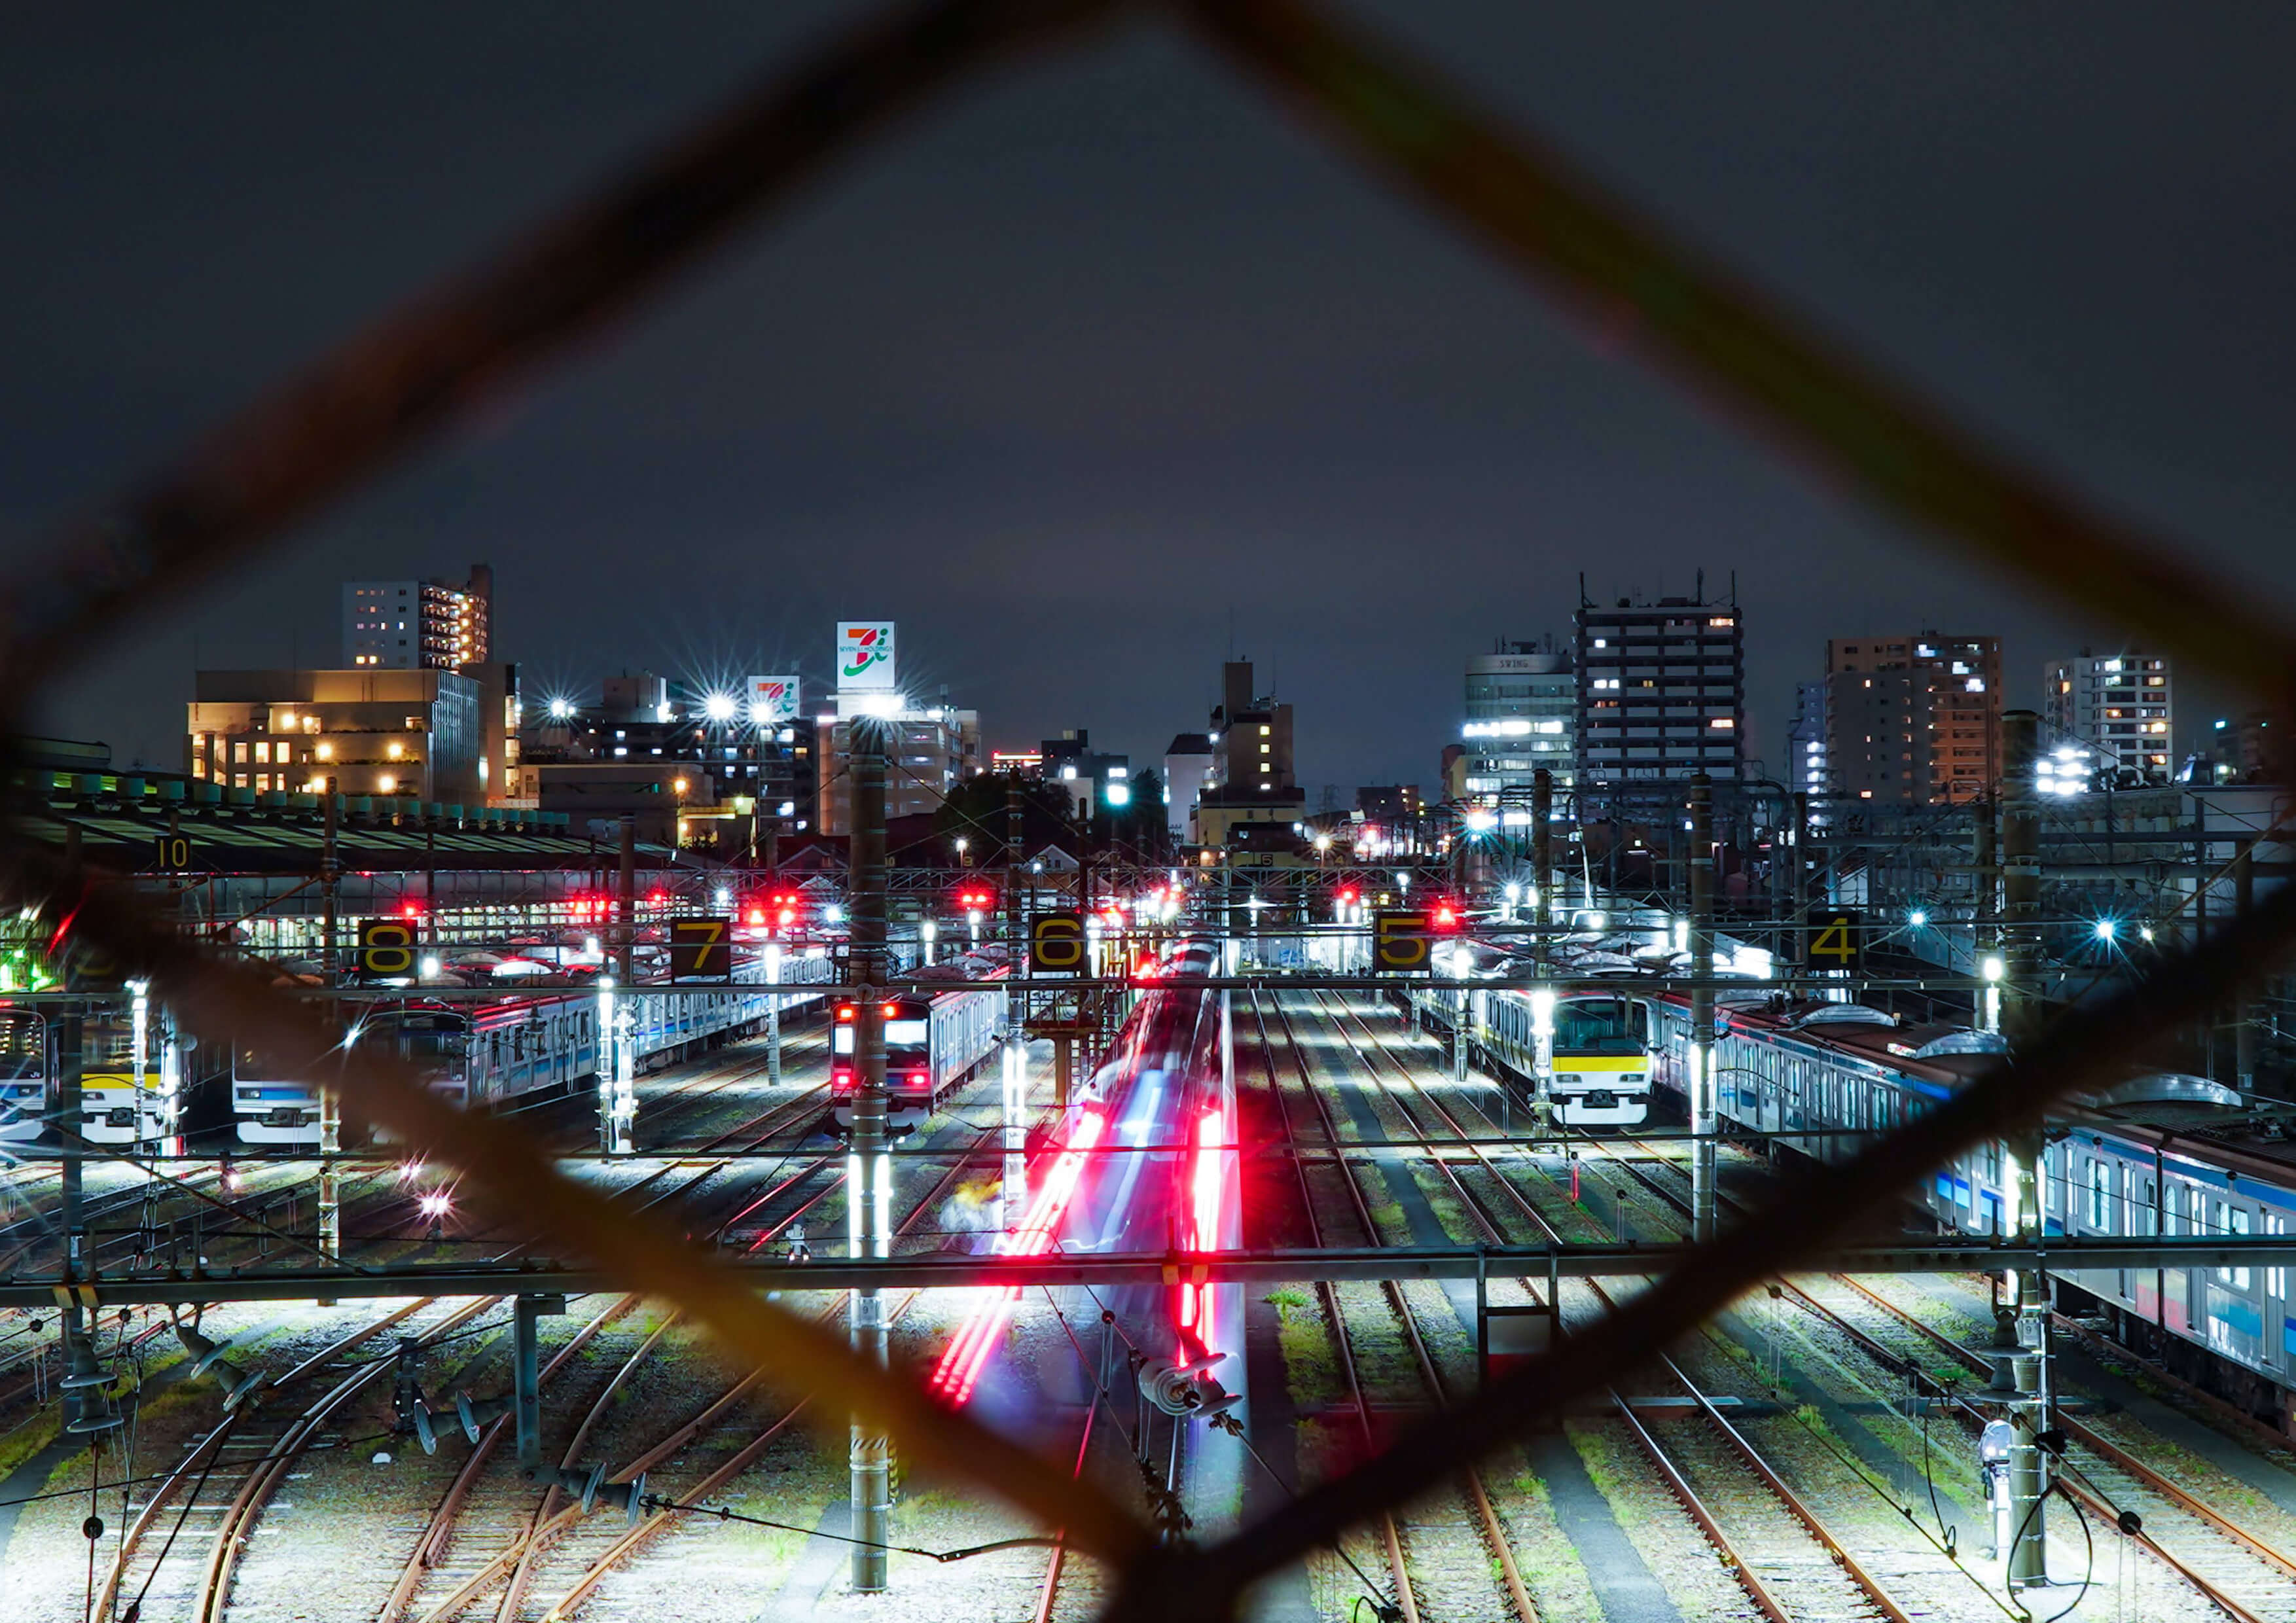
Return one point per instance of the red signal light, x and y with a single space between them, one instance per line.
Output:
889 1010
413 910
1445 916
845 1012
841 1081
1347 896
757 916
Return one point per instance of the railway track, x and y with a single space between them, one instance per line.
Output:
221 1484
1472 1486
1786 1557
2240 1572
549 1535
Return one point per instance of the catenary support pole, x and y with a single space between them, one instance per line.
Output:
2243 1007
868 1170
1701 1079
1542 918
525 1372
1013 1189
2020 1019
330 1101
625 907
773 1015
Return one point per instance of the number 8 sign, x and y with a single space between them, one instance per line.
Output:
386 947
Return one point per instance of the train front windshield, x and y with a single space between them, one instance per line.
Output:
1598 1026
909 1051
23 1048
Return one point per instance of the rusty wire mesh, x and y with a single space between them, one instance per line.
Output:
419 369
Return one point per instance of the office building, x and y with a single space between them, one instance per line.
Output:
419 625
1252 769
1661 694
695 767
1521 714
2121 705
411 734
1913 717
927 752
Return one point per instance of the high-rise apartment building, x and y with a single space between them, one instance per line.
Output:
1521 714
1808 768
419 625
1662 692
1913 717
2121 705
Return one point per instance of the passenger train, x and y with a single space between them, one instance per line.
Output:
934 1041
1601 1041
2150 1155
28 1080
488 1055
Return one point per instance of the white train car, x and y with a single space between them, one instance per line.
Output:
491 1056
2155 1154
934 1041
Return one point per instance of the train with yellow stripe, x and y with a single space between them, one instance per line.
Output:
1601 1051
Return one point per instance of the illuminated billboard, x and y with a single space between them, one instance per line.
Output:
865 657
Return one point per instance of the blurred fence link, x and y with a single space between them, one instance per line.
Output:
435 360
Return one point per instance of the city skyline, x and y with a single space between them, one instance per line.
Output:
1179 383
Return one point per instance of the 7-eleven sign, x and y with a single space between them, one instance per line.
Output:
864 655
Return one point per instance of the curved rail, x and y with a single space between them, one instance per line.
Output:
195 1462
507 1560
265 1475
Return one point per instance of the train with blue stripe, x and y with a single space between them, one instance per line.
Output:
2152 1154
490 1055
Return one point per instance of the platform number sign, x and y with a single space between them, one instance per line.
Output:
702 949
1399 940
386 948
1056 943
174 852
1837 938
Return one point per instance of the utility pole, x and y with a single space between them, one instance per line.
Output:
1703 1112
2027 1401
330 1100
1012 1190
869 1173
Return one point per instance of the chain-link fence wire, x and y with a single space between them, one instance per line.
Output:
389 389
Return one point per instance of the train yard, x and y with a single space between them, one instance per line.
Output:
1812 1453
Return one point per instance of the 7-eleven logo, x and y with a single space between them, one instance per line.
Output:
861 649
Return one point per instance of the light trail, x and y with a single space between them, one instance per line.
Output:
958 1372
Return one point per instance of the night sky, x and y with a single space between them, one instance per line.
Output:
1108 366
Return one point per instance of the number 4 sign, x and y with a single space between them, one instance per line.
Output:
1837 938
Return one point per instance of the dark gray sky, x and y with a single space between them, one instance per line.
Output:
1107 356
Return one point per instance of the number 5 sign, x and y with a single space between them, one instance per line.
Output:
1837 938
